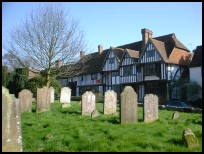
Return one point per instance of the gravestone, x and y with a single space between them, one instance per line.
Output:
95 113
110 102
150 109
88 103
128 106
11 123
175 115
65 95
189 138
43 99
52 94
26 99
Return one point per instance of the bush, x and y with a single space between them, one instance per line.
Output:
39 82
76 98
99 98
57 86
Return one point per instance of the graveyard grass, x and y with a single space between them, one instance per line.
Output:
66 130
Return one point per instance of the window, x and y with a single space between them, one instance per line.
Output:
150 53
93 76
82 78
152 69
115 73
138 69
111 60
127 70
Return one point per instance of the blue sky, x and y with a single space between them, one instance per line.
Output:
119 23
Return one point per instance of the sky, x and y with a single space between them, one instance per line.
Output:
118 23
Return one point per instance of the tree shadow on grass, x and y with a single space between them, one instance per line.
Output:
176 141
71 112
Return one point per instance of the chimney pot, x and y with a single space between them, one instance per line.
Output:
100 49
82 53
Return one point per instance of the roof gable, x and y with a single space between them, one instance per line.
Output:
179 56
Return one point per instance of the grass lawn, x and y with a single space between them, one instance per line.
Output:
66 130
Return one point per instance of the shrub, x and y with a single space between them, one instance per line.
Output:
99 98
39 82
76 98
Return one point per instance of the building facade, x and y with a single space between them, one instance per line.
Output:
149 66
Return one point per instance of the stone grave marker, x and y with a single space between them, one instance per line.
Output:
52 94
26 99
128 106
88 103
189 138
43 99
11 123
110 100
65 95
150 109
175 115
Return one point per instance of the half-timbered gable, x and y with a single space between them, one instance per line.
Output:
161 63
113 60
128 71
111 75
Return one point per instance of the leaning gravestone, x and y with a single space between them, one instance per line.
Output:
189 138
175 115
52 94
128 106
65 95
43 99
110 102
88 103
150 109
11 123
26 99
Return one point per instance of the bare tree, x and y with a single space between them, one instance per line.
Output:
47 35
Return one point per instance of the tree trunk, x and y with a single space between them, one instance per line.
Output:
48 78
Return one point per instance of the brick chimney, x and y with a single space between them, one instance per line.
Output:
146 34
82 53
100 49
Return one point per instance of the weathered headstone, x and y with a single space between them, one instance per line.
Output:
189 138
88 103
150 109
11 123
43 99
52 94
65 95
26 99
175 115
128 106
110 100
95 113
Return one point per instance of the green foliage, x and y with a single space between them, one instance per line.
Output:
34 83
4 76
99 97
20 79
67 131
39 82
57 86
44 73
76 98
